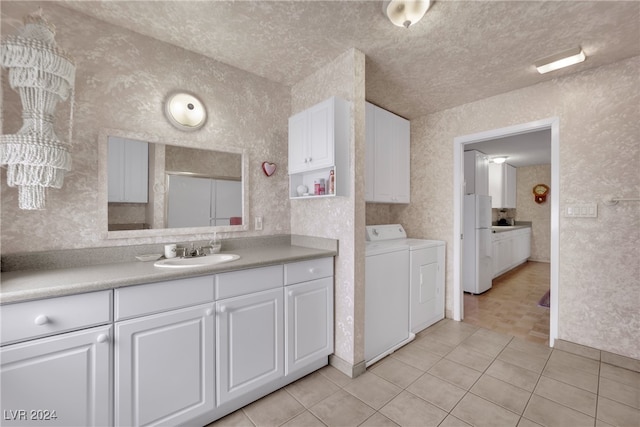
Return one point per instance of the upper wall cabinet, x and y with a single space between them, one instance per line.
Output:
128 166
387 169
502 185
319 150
476 173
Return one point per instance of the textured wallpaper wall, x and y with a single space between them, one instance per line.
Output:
599 155
538 214
122 80
340 217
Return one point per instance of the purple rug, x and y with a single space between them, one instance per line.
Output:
544 301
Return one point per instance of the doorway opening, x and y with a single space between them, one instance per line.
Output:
462 143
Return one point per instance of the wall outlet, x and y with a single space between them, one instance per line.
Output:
258 223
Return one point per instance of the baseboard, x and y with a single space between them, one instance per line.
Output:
347 368
599 355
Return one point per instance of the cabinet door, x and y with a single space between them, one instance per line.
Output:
401 160
496 185
392 159
66 376
384 158
510 186
321 135
298 140
370 153
481 174
249 343
308 322
164 367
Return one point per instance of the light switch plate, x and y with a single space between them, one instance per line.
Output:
258 223
586 210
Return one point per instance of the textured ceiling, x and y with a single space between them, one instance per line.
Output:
461 51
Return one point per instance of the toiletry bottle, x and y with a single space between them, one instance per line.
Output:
332 182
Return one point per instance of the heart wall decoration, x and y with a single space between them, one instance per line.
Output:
268 168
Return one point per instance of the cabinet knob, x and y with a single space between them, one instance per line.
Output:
209 311
102 338
41 320
223 309
313 270
290 293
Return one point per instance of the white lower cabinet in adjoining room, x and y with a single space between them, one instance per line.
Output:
165 367
249 343
63 380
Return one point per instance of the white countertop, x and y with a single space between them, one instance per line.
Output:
503 228
25 285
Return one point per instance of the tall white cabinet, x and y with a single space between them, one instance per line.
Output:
318 144
502 185
476 173
387 161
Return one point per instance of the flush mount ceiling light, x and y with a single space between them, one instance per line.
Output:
561 60
499 160
185 111
405 13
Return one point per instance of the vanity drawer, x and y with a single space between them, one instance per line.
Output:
33 319
244 282
304 271
140 300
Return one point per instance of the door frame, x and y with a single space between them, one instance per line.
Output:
552 123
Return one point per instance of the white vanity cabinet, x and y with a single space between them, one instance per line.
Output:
63 379
128 170
502 185
308 313
318 144
387 156
250 326
164 362
476 173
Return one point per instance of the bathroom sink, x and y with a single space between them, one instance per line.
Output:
201 261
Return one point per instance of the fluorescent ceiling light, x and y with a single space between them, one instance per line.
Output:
498 160
561 60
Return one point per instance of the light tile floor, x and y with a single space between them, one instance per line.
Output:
511 305
457 374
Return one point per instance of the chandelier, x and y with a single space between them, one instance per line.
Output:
43 75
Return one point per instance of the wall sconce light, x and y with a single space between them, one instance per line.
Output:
498 160
561 60
185 111
405 13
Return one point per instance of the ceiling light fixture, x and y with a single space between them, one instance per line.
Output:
405 13
561 60
499 160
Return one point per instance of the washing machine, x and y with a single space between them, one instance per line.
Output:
404 288
386 310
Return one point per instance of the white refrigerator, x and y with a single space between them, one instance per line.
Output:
477 251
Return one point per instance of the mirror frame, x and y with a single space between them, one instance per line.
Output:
103 200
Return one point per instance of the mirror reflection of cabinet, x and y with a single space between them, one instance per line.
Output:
202 202
128 170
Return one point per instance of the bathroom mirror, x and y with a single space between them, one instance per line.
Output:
152 188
